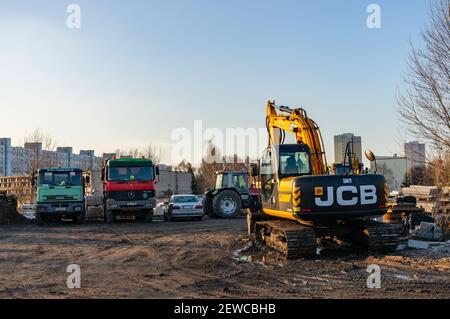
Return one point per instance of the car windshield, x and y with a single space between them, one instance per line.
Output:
47 178
184 199
129 173
294 163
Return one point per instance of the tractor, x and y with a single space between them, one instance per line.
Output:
231 195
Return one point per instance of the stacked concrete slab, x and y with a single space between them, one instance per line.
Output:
173 182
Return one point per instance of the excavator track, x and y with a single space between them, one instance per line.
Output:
377 236
288 237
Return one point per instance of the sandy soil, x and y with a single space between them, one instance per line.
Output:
208 259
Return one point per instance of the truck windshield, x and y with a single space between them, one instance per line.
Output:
130 173
59 178
294 163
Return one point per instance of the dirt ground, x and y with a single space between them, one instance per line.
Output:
208 259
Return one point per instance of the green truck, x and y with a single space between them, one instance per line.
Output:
60 195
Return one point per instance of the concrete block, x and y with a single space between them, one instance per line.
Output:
441 248
422 234
427 226
402 247
418 244
428 231
94 213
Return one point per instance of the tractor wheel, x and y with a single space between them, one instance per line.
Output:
227 204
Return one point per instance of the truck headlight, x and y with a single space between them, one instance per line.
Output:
113 206
42 209
78 209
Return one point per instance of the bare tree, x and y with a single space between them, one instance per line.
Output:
206 173
38 147
151 151
423 104
387 172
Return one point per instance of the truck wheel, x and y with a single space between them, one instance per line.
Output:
82 217
79 218
40 219
227 204
109 216
149 216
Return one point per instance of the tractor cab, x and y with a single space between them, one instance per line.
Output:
230 196
232 179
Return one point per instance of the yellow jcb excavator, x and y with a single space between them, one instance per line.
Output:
302 199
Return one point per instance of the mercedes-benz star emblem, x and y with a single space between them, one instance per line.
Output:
131 194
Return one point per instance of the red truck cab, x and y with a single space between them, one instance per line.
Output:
129 189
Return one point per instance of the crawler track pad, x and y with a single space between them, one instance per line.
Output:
288 237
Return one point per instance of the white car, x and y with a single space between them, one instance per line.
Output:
183 206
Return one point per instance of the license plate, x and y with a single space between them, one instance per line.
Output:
188 207
131 204
131 217
60 209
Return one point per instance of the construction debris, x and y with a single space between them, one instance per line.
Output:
94 207
436 246
429 231
10 216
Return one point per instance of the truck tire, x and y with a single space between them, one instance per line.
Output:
82 217
79 218
168 216
40 219
149 216
227 204
109 216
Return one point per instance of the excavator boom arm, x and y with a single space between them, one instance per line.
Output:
306 131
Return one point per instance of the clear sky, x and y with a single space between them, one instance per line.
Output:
136 70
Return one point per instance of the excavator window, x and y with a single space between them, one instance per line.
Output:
294 163
268 175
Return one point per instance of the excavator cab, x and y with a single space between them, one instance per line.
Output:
279 165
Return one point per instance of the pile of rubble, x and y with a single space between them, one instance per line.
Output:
428 235
10 216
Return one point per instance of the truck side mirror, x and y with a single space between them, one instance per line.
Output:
157 174
103 174
87 180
